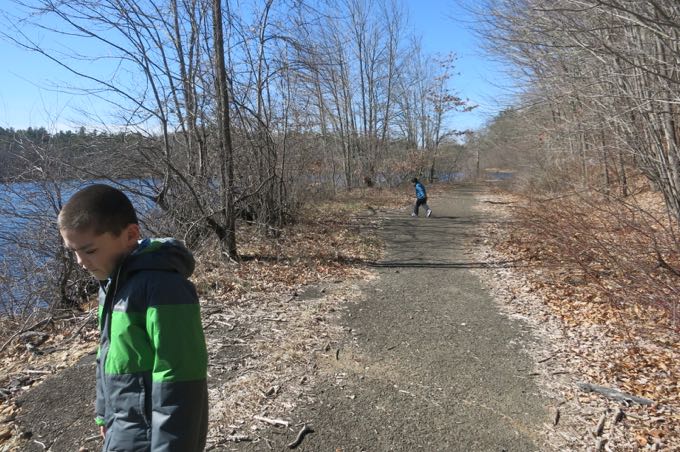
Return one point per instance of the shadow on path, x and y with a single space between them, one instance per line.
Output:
411 264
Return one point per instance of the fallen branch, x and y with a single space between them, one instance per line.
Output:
92 438
300 436
32 327
618 416
277 422
545 359
38 372
614 394
88 318
23 330
600 425
238 438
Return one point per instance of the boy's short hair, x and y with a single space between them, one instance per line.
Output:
99 208
414 180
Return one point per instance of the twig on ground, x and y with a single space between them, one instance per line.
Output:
614 394
238 438
277 422
39 372
600 425
498 202
82 325
300 436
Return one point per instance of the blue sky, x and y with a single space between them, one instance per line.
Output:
445 27
29 94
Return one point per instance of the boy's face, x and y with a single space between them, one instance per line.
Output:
99 254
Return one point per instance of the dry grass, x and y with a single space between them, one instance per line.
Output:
595 291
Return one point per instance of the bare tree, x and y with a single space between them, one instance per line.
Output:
168 46
607 73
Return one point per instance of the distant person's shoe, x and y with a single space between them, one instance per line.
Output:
429 212
413 215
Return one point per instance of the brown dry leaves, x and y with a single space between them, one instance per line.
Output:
589 277
28 359
331 241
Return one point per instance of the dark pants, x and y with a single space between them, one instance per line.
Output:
421 202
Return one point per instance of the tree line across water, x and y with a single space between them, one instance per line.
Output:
24 152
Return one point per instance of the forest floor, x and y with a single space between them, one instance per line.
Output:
376 330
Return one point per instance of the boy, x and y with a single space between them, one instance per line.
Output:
152 361
421 198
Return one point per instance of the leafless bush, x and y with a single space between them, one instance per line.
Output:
625 249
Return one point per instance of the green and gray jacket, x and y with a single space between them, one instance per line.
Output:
152 361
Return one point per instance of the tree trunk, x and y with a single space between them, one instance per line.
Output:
228 241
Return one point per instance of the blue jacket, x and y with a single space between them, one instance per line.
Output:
420 191
152 361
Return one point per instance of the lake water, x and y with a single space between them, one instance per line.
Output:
451 177
499 175
30 241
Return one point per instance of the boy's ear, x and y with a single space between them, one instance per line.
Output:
132 232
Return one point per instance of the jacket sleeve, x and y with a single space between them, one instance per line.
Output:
99 407
179 397
100 403
420 191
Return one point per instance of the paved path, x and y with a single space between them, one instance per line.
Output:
432 365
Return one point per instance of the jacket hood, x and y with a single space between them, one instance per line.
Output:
164 254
